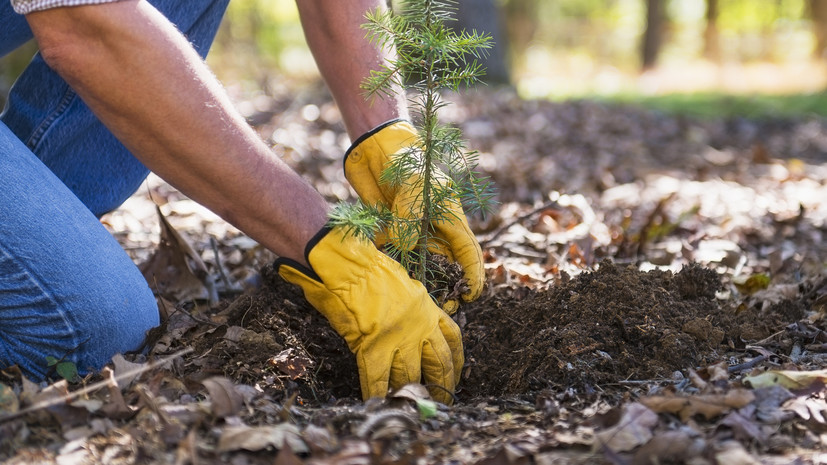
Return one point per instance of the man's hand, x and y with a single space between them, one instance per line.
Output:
397 333
364 163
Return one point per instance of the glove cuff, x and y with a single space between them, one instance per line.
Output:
370 134
308 271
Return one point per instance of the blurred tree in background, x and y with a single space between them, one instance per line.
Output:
484 16
652 34
552 48
818 13
712 46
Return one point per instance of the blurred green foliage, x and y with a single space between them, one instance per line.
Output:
568 48
748 15
260 38
711 105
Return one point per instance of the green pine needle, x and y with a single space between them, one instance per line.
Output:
430 57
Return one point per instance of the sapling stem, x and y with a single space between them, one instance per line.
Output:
430 58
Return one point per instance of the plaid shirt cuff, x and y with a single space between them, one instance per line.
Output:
27 6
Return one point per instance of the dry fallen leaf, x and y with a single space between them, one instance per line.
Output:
670 447
786 378
286 456
225 401
320 440
718 372
8 400
291 363
633 429
733 453
808 409
66 415
175 269
744 427
413 392
261 437
125 371
708 405
352 453
116 407
768 403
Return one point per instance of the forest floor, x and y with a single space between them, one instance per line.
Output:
656 294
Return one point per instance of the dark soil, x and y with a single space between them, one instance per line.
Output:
614 324
278 319
587 333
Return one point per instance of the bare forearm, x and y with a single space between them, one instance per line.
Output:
150 88
345 58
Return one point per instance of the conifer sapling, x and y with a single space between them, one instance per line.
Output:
430 58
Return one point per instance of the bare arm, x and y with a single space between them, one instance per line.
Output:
345 57
144 81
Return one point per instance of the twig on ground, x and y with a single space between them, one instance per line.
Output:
647 381
768 338
224 278
746 365
812 292
517 220
437 386
93 387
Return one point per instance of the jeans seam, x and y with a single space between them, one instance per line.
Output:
43 127
34 280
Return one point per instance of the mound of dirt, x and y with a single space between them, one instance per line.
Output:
602 327
588 332
273 339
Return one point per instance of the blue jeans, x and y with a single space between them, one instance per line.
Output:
67 289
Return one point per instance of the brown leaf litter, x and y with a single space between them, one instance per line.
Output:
618 326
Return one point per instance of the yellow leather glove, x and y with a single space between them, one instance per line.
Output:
364 162
399 336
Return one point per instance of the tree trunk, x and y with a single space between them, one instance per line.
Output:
712 45
818 15
521 18
483 16
653 35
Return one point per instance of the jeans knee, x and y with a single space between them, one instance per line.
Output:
86 326
118 324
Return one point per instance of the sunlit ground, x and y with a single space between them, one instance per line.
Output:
691 86
700 88
690 76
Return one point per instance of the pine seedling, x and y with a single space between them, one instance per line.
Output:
430 58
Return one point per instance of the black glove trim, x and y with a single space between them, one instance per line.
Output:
294 264
369 134
310 244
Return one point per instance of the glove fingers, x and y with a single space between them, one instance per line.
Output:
373 375
442 360
450 306
453 336
408 208
438 377
381 239
466 251
367 158
405 369
397 235
441 247
403 234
